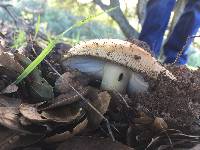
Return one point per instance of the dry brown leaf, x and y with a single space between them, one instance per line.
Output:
66 135
10 89
30 112
7 60
9 117
64 99
159 123
64 114
101 102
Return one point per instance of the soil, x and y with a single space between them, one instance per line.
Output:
175 101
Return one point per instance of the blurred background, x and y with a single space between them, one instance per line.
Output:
58 15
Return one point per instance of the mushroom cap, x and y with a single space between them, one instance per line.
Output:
121 52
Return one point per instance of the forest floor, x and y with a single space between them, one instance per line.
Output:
43 111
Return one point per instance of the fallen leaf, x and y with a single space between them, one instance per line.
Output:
64 114
101 102
159 123
10 89
9 117
30 112
7 60
63 99
66 135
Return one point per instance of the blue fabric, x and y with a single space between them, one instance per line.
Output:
155 24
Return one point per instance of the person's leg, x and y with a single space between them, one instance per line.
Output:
155 24
187 25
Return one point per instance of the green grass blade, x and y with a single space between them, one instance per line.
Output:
86 20
36 62
37 27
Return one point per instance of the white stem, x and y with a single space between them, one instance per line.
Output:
115 77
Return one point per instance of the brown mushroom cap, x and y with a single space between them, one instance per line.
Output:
120 52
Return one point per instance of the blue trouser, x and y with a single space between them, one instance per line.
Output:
155 24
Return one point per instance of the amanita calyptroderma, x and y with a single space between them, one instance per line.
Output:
118 63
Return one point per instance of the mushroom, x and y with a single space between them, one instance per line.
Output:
118 63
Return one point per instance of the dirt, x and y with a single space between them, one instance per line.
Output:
175 101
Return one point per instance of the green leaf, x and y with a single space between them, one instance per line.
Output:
36 62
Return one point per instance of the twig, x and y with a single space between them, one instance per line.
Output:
127 105
119 17
170 141
152 142
181 51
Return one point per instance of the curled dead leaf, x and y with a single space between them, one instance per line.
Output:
10 89
64 114
30 112
9 117
63 99
159 123
66 135
101 101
